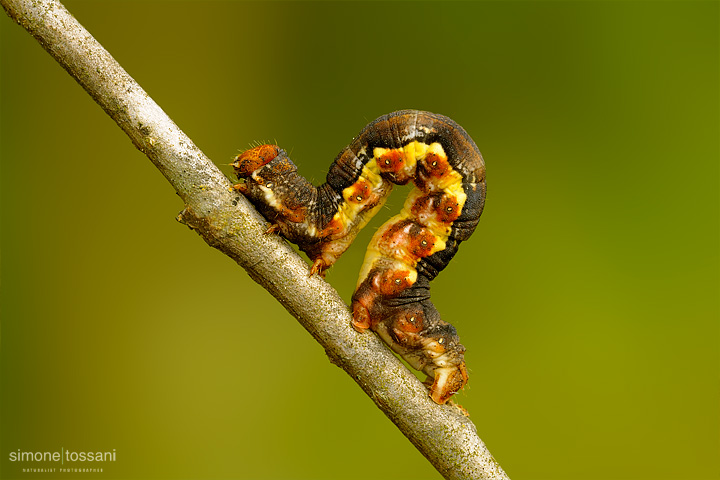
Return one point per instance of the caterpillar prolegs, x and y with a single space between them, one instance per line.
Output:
409 250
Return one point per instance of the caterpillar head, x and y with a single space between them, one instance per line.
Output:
280 195
264 170
251 160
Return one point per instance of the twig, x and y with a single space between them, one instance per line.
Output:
229 223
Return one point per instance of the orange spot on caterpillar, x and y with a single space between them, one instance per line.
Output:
438 207
392 282
391 161
432 172
448 209
250 160
435 165
409 322
407 241
359 192
393 165
421 245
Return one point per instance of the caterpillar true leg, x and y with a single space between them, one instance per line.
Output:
409 250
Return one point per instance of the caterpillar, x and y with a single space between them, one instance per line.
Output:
392 296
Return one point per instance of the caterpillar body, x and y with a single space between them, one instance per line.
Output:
392 296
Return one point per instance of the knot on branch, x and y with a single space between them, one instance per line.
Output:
214 225
186 218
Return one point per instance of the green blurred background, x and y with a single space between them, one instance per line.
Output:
587 298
